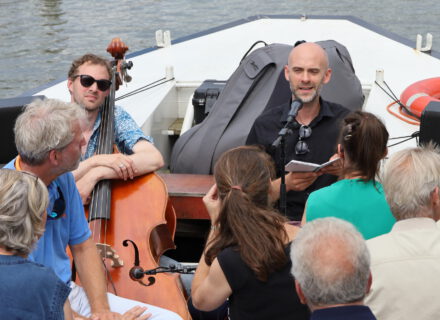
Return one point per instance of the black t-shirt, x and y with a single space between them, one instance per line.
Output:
321 143
253 299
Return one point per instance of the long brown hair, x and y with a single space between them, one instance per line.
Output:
363 139
246 220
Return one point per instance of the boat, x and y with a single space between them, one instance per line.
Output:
164 78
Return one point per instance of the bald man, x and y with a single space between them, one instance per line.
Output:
317 126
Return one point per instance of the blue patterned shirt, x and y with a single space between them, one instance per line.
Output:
127 134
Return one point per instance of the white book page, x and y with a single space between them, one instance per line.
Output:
301 166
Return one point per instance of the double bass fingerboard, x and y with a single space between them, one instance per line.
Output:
101 196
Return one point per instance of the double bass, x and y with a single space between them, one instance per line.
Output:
131 221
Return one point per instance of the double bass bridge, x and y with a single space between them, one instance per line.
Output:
107 252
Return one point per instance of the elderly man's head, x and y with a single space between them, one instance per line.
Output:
411 182
48 127
330 263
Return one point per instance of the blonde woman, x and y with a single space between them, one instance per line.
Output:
28 290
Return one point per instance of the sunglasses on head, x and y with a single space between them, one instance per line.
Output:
58 207
87 81
301 146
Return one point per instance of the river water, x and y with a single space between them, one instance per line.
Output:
40 38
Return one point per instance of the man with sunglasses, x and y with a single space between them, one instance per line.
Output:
49 142
89 84
315 129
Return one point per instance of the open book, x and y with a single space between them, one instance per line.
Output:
301 166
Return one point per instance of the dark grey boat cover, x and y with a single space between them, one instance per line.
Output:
257 84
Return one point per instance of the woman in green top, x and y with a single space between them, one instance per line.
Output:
357 198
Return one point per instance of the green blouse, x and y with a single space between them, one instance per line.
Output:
361 203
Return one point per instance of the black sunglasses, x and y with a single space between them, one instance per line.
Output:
86 81
301 146
58 207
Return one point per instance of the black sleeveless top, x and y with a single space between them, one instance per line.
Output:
253 299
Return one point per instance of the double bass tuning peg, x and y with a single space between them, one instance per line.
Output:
126 66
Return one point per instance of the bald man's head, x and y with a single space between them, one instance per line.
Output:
307 70
311 50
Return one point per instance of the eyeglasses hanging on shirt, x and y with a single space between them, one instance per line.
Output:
59 207
301 146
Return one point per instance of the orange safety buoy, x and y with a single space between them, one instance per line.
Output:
418 95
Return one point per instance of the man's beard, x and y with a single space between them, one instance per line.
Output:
87 109
308 99
70 166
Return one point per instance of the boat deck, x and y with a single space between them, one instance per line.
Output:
214 54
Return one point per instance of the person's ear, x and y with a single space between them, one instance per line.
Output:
286 73
53 157
435 203
300 293
369 283
70 86
327 76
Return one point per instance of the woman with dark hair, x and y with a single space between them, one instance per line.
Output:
246 255
358 197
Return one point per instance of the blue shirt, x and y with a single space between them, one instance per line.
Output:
127 133
30 291
70 229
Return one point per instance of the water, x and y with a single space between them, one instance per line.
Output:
40 38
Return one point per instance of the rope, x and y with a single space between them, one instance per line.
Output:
407 117
414 135
393 97
145 88
402 116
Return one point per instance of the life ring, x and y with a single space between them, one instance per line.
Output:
418 95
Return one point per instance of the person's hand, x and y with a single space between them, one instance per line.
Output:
123 165
335 168
212 203
106 315
135 313
299 181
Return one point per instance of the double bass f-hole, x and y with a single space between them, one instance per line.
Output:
137 272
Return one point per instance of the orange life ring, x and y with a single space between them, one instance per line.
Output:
418 95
